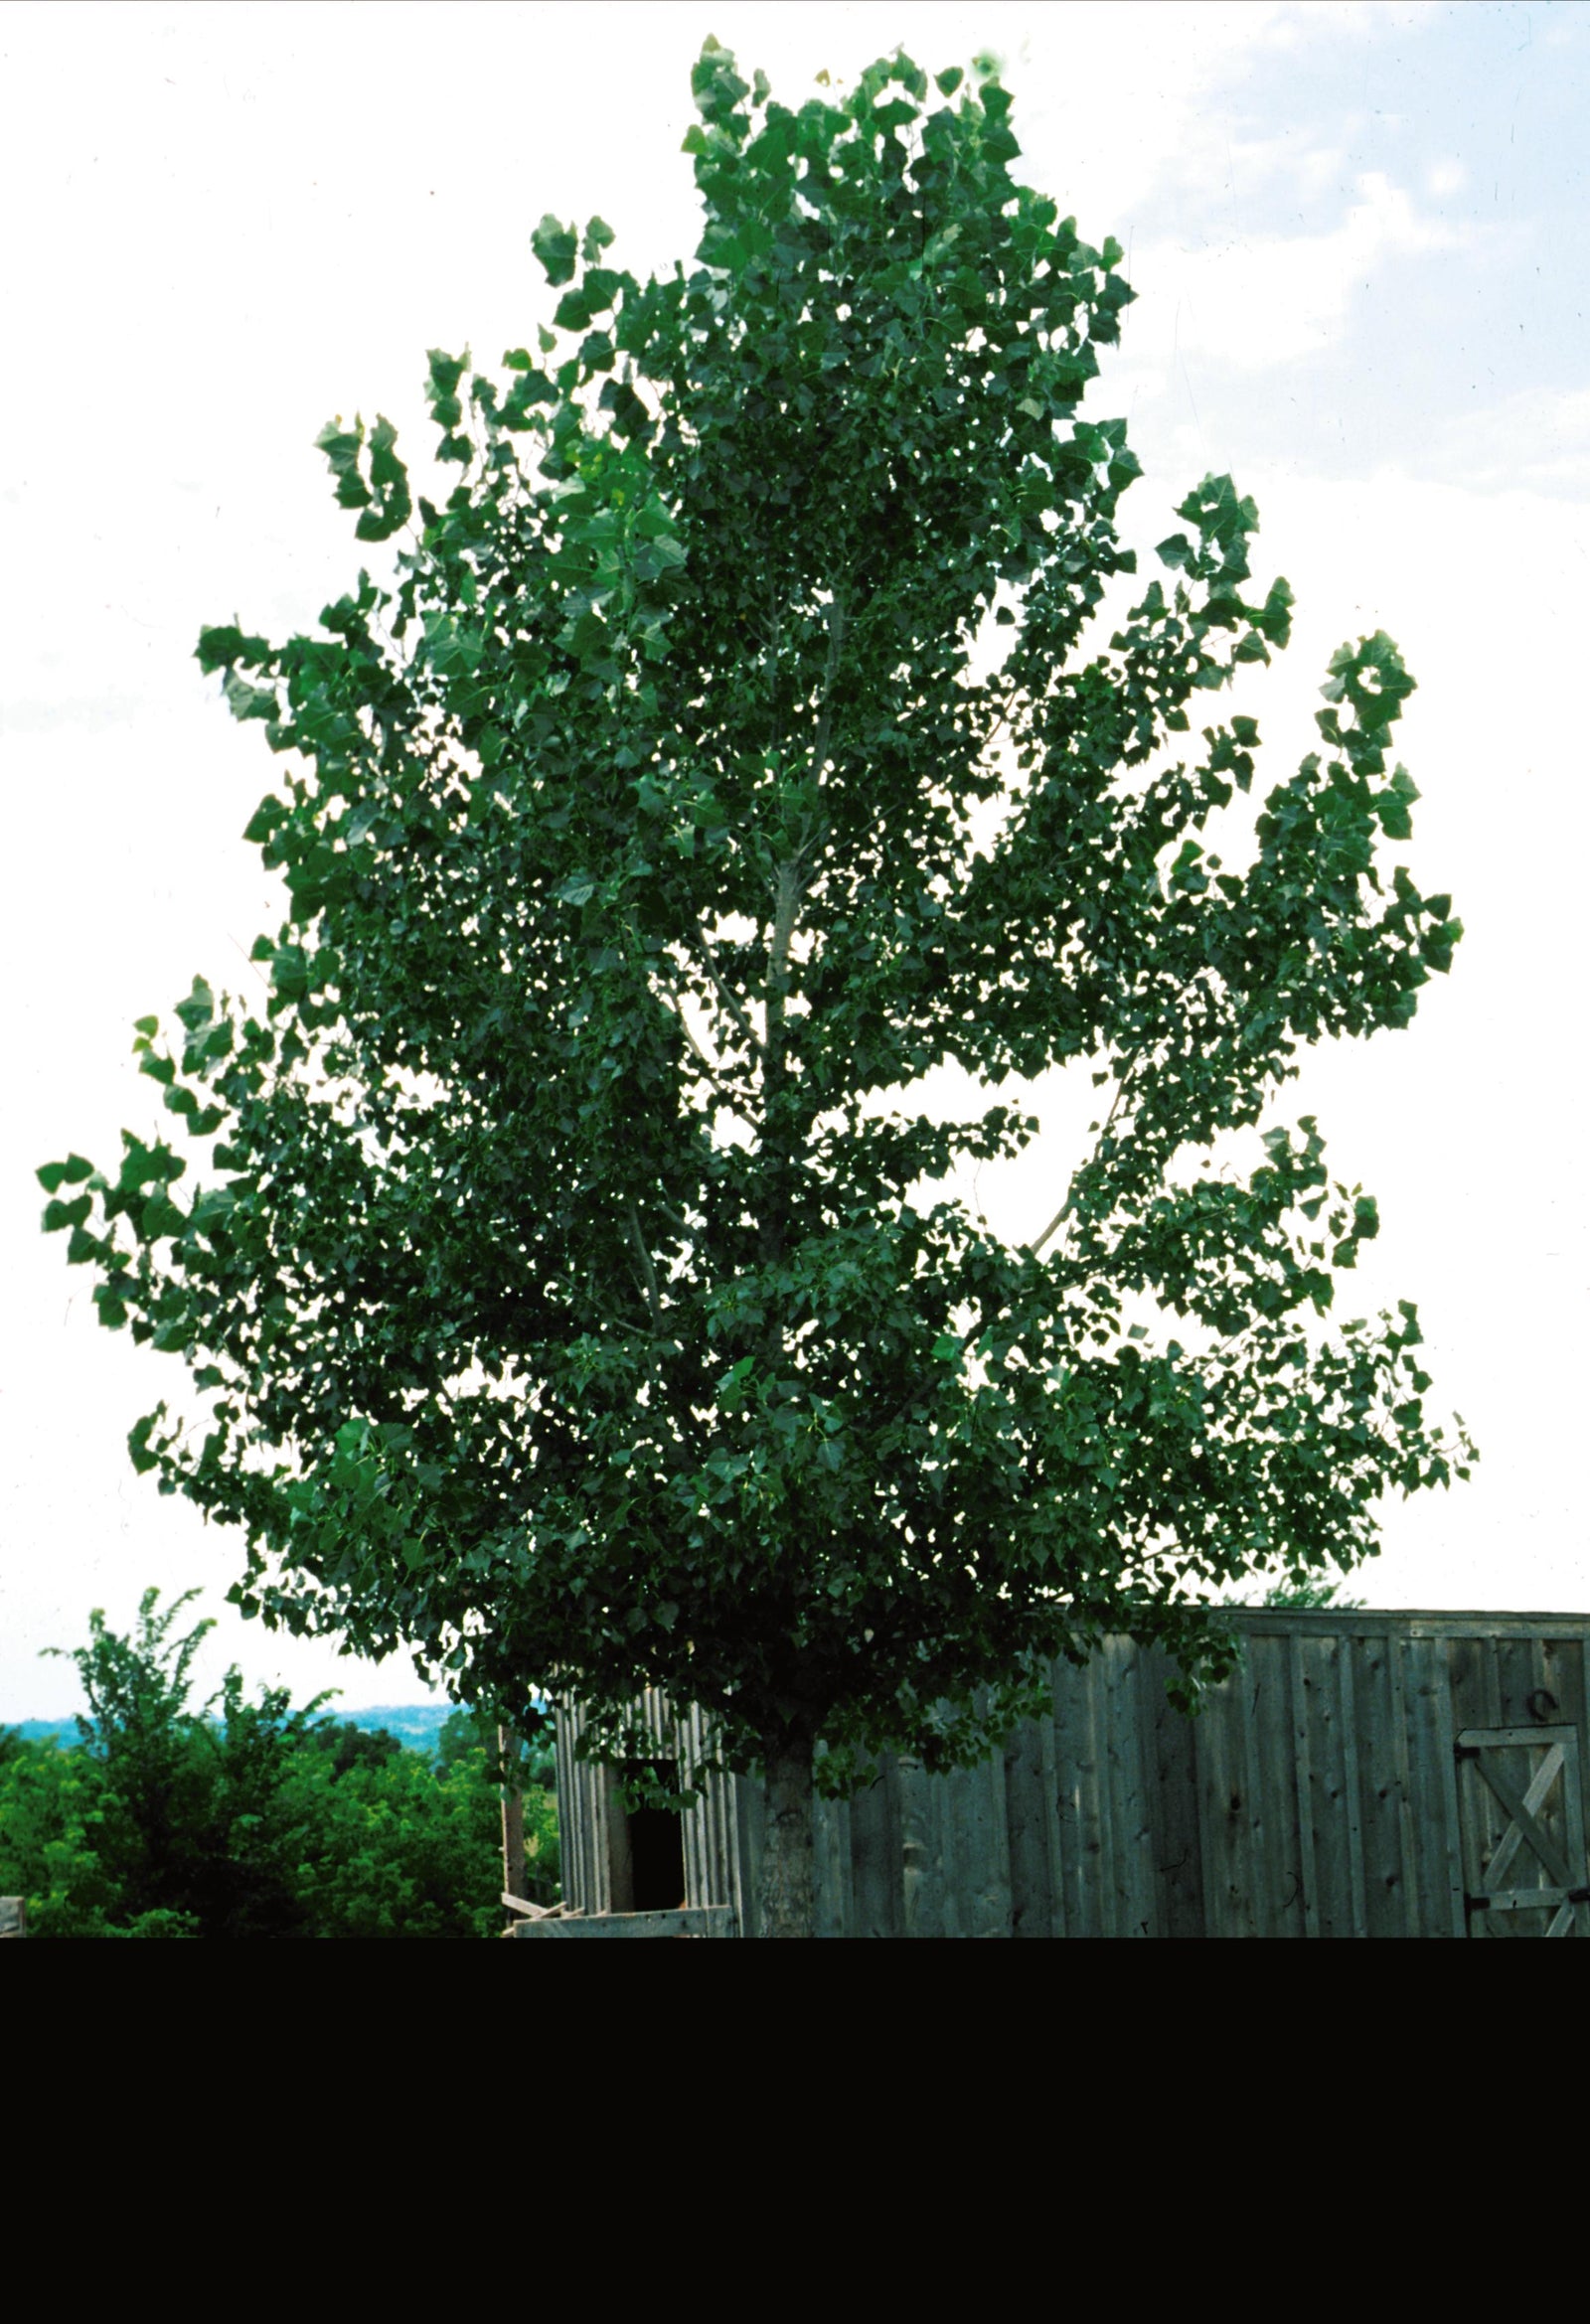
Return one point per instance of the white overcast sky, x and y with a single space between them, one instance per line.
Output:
1362 240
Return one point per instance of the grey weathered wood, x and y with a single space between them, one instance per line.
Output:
1509 1738
833 1880
1523 1808
1033 1831
1403 1756
1317 1793
1452 1817
1321 1656
917 1915
687 1920
1352 1793
1169 1743
1137 1912
1303 1778
1527 1899
1256 1872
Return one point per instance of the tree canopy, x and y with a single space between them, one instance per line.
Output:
232 1818
573 1283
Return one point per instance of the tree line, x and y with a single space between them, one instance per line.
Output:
231 1818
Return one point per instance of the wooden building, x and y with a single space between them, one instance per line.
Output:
1360 1774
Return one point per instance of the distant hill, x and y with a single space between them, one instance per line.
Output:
416 1725
62 1730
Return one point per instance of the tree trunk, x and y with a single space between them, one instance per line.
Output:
787 1896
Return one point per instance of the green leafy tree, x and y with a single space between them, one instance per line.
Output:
562 1278
239 1819
477 1729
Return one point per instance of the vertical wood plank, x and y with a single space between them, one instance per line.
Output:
1076 1792
1491 1667
1174 1897
1303 1782
1407 1841
1331 1771
918 1902
830 1850
1114 1812
876 1896
1054 1829
1437 1865
1219 1796
1273 1771
977 1864
1032 1830
1445 1724
1255 1837
1563 1676
568 1825
1374 1722
1352 1786
1134 1860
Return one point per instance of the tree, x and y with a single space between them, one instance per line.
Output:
171 1820
574 1281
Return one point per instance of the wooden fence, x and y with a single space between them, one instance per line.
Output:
1361 1774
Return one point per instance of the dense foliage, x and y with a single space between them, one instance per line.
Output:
247 1819
567 1275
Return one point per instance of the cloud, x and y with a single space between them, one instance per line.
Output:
1537 439
1262 300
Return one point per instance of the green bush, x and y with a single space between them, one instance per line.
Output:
248 1819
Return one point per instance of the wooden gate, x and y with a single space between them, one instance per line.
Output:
1523 1836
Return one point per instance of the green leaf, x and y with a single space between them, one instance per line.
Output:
245 701
556 248
144 1456
217 649
199 1008
59 1214
267 819
71 1173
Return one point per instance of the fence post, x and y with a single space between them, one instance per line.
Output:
513 1821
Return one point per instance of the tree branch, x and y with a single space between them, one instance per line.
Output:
736 1100
790 885
1064 1212
701 952
825 721
648 1271
786 905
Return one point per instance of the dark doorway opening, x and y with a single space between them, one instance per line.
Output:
647 1863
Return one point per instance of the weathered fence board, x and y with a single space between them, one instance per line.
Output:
1333 1785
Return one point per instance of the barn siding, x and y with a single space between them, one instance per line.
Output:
1317 1793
